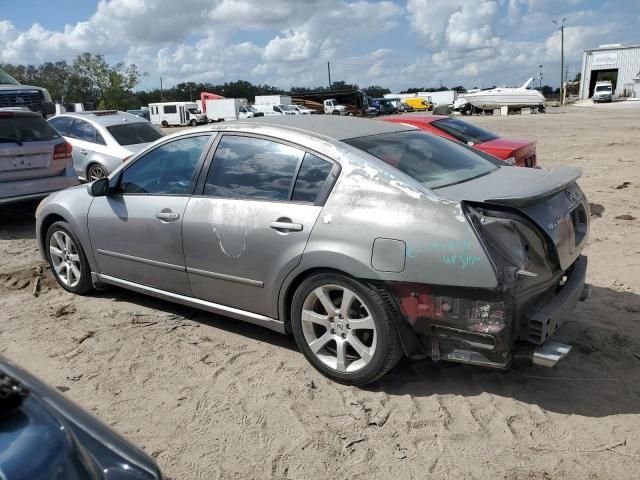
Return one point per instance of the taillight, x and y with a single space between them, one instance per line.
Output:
62 151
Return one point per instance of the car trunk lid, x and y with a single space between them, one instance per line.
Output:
523 151
29 160
551 199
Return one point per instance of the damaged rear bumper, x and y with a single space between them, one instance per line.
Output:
488 328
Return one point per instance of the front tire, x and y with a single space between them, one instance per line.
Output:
344 329
67 259
193 123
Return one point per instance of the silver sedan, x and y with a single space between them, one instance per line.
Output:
365 240
102 140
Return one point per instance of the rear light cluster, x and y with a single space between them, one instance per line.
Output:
62 151
419 303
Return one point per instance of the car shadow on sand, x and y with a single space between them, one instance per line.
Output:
599 377
17 221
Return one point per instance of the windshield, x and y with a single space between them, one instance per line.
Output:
603 88
134 133
25 128
5 78
433 161
463 131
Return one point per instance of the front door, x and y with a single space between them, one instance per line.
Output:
249 227
136 232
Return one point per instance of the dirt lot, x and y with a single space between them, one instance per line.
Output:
210 397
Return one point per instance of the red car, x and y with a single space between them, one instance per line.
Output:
517 152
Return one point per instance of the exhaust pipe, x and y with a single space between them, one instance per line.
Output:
550 353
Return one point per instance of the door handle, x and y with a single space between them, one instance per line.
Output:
83 151
167 216
286 226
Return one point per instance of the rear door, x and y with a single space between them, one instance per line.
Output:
26 147
136 232
88 145
250 224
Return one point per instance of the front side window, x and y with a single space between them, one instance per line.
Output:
433 161
84 131
463 131
170 109
62 124
253 168
169 169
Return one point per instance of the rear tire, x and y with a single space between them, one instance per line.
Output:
165 124
344 328
67 259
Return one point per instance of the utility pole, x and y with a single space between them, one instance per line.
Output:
329 72
564 19
540 78
161 91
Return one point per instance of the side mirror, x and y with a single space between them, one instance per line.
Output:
99 188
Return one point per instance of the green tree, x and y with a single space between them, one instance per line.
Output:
376 91
114 83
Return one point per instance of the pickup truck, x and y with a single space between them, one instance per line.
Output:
13 94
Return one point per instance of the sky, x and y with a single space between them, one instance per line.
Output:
284 43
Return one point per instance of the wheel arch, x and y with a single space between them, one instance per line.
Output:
408 338
47 221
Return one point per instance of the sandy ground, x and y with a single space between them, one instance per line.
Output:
209 397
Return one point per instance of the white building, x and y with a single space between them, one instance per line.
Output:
618 63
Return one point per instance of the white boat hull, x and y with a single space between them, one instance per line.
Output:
506 97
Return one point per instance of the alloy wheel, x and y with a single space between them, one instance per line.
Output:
96 172
338 328
65 258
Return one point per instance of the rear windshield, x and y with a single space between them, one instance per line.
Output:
5 78
463 131
31 128
433 161
133 133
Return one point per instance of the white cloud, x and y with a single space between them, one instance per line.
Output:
288 42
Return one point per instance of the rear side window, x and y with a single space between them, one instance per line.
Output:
62 124
463 131
433 161
25 128
166 170
134 133
253 168
311 178
170 109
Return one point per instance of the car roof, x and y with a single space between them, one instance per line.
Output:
333 126
105 119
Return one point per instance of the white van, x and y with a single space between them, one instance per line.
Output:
175 114
271 110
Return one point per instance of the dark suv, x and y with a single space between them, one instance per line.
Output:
13 94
